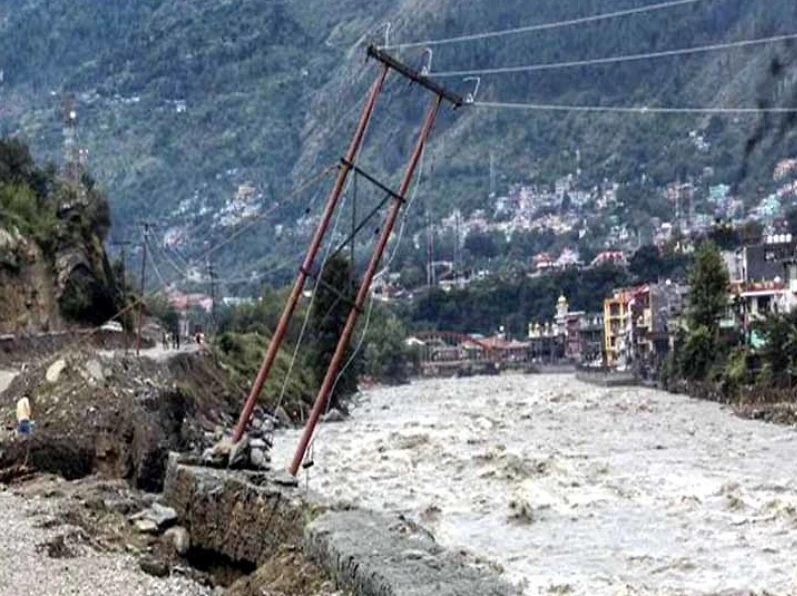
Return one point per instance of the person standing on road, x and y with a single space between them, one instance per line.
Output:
23 417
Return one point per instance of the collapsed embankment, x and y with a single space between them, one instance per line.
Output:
250 518
115 416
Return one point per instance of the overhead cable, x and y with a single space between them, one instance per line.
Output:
616 59
544 26
633 109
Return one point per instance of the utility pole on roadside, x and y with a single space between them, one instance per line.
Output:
146 225
123 244
212 280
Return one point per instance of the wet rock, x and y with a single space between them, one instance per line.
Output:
333 416
159 515
179 539
259 444
218 455
162 515
146 526
153 566
282 417
54 371
239 454
259 459
94 371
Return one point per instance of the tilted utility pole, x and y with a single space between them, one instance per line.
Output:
399 198
144 241
298 287
123 244
212 280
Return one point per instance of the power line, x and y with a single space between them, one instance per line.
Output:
544 26
631 109
616 59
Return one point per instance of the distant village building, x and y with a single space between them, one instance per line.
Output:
638 322
574 336
182 302
616 258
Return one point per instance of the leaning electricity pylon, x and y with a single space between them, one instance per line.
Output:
348 164
399 199
309 260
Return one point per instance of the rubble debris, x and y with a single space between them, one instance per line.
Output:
259 459
161 516
179 539
146 526
239 454
115 415
153 566
521 512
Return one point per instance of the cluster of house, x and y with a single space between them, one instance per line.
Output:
638 325
544 262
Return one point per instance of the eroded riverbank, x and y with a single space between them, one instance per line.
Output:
573 488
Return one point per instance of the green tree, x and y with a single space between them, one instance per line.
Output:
327 319
708 281
412 276
386 356
779 353
698 353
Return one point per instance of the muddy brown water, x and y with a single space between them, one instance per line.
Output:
573 488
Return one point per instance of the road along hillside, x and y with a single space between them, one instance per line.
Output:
574 489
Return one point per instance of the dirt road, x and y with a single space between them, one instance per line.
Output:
574 489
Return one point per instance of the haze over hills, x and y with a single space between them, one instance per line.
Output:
183 103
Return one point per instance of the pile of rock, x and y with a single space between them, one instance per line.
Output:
252 452
160 521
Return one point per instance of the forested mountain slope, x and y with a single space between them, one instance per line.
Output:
188 99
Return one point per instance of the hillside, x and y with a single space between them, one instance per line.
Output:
54 272
181 102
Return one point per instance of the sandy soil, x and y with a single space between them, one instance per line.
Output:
41 555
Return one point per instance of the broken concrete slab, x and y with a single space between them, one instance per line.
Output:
375 554
146 526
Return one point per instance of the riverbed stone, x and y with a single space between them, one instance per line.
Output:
179 539
54 371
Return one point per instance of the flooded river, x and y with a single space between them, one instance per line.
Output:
574 489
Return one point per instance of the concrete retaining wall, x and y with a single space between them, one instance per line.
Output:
378 555
248 516
241 515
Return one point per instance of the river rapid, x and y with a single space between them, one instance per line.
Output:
574 489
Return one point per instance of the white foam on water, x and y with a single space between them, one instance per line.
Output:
573 487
